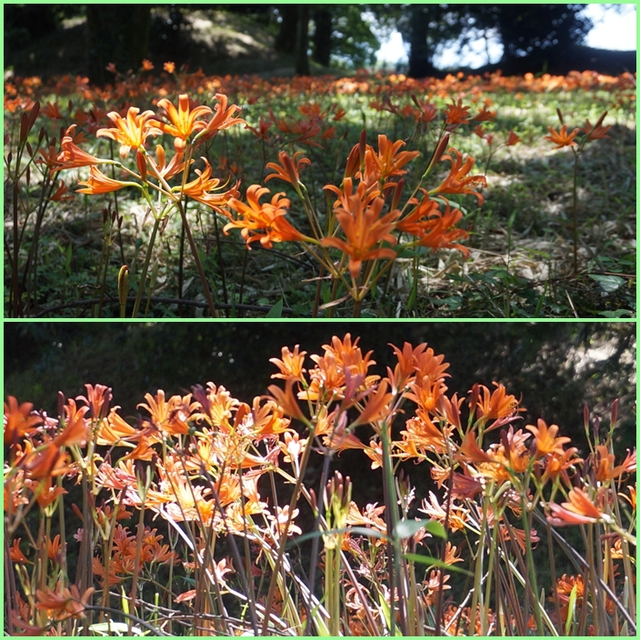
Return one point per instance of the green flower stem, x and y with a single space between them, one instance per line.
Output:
196 257
145 267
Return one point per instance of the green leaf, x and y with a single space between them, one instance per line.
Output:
407 528
618 313
276 310
608 284
434 562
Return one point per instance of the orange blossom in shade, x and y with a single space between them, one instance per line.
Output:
579 510
598 131
263 221
288 169
512 139
364 228
73 156
458 180
99 183
63 603
184 120
131 132
562 138
200 188
433 228
18 420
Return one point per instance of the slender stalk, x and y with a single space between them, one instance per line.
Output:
575 212
196 257
145 267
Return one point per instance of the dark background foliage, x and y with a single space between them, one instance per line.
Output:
554 367
535 37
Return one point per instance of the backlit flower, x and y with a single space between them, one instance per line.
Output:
99 183
458 180
598 131
389 160
131 132
291 365
184 120
223 118
546 440
63 603
579 510
72 155
202 188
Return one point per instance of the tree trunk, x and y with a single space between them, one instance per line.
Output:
302 41
322 36
286 39
420 65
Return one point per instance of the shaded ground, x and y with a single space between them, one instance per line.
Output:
219 43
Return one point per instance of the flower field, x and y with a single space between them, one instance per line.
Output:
173 194
198 517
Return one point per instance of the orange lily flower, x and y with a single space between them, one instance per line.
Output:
184 120
131 132
73 156
63 603
512 139
598 131
77 429
377 407
498 404
485 115
286 400
15 553
456 114
562 138
175 166
268 218
223 118
115 429
456 182
200 189
579 510
605 469
388 161
99 183
364 228
18 420
291 364
546 440
51 461
288 169
434 228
